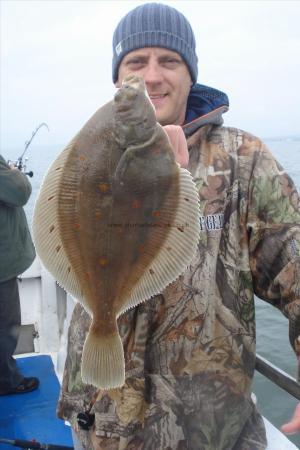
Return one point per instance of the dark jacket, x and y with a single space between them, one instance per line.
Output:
16 247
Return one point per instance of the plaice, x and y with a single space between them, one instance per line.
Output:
116 221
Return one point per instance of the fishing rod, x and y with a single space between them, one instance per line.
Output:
32 445
19 162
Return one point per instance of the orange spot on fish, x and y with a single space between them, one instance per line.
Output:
103 187
58 248
98 215
88 275
51 228
136 204
156 213
82 157
77 226
103 262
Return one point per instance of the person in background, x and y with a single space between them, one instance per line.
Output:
190 352
16 255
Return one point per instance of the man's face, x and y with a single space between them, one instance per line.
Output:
167 80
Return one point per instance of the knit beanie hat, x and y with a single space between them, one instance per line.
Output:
154 25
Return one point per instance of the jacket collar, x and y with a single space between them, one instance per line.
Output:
205 106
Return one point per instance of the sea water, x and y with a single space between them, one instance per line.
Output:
272 327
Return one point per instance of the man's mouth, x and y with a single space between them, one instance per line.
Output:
158 100
157 96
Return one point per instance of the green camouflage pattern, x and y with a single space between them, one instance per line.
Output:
190 352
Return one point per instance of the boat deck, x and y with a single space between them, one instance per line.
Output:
32 416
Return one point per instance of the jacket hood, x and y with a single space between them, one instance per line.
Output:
205 106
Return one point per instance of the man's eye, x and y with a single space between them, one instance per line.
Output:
171 62
134 62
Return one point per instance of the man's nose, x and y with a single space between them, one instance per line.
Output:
153 73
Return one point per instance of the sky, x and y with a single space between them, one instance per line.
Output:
56 63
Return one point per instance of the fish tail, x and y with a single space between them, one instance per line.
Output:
103 362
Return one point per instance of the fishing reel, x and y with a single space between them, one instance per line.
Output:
19 164
85 420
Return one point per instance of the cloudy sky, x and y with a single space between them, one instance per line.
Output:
56 63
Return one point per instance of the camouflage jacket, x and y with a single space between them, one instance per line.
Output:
190 352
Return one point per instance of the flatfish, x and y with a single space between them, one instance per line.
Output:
116 220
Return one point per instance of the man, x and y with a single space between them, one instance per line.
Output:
190 352
16 255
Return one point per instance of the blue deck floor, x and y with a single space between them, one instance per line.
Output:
32 416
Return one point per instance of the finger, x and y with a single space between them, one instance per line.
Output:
294 425
291 427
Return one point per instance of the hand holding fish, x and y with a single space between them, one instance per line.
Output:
178 143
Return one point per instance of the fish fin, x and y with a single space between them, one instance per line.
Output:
178 249
103 362
46 230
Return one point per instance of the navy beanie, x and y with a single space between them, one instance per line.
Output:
155 25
